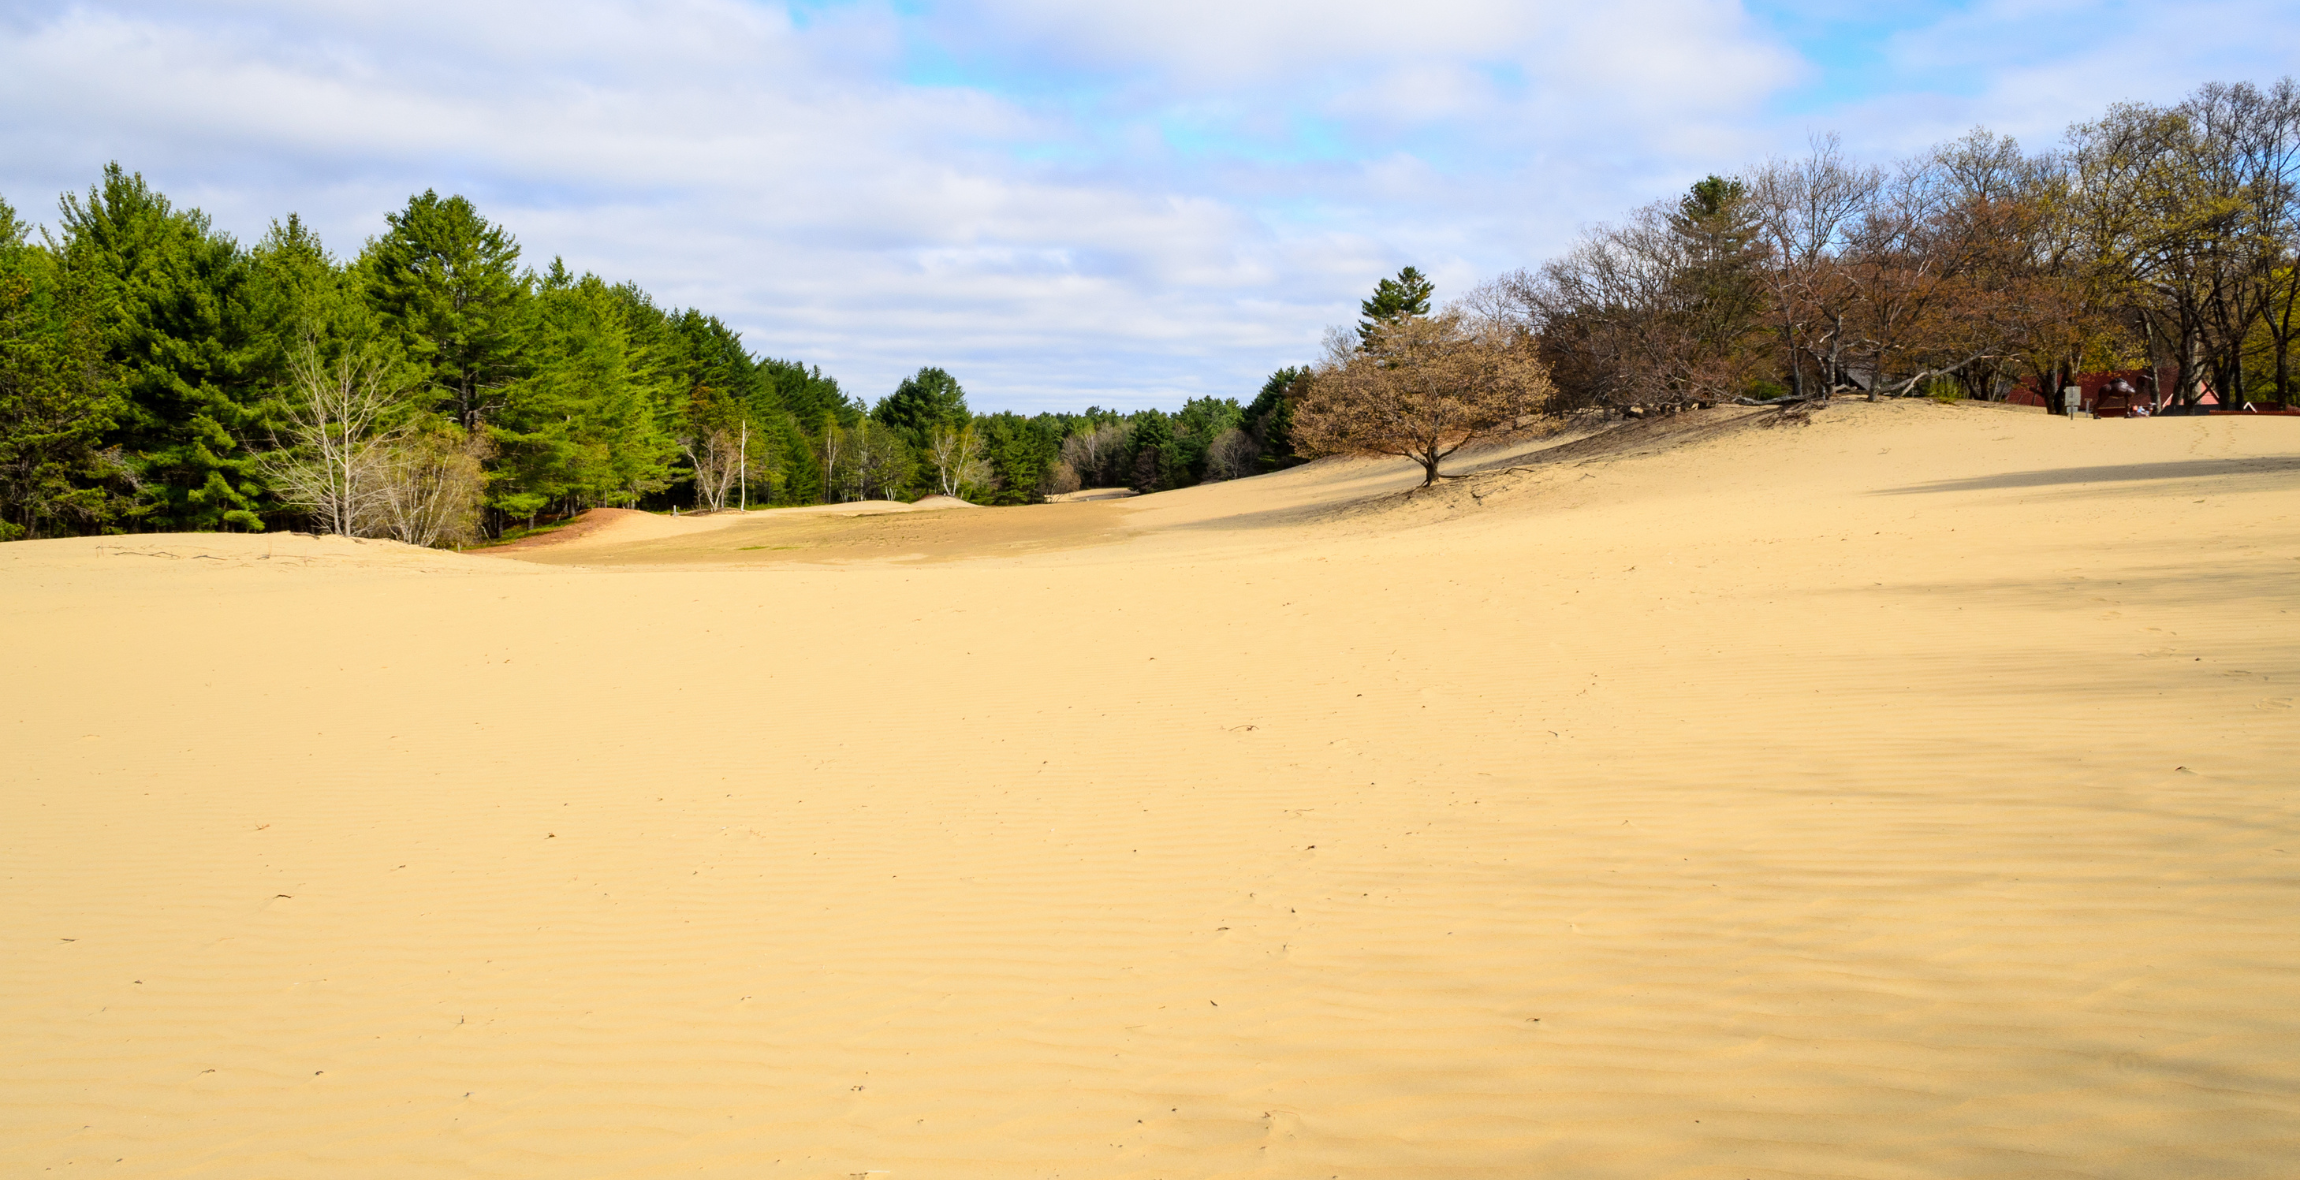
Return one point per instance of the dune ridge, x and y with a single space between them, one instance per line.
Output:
1905 794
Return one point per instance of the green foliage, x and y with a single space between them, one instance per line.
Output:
1270 418
1721 290
1208 417
57 398
168 296
567 391
1158 459
1021 451
798 470
584 428
807 394
145 376
296 293
1406 295
925 400
444 279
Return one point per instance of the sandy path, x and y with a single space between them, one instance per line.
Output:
1908 795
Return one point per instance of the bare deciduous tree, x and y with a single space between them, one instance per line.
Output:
430 488
339 439
1805 210
1234 455
1612 315
957 455
876 464
832 450
1421 388
1658 310
2163 239
717 456
1094 454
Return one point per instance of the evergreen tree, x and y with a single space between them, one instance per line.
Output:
167 293
925 400
712 354
806 393
800 470
1406 295
584 428
1722 292
297 292
552 392
1157 458
1270 419
1020 452
446 280
1208 417
56 397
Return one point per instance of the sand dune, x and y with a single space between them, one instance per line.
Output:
1908 794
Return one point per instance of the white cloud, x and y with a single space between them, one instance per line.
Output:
2030 68
1120 203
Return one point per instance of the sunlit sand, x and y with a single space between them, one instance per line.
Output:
1907 794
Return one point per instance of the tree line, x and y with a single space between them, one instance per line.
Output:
2159 240
158 375
2154 238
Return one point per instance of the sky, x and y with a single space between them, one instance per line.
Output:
1119 204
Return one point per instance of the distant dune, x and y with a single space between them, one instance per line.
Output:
1907 793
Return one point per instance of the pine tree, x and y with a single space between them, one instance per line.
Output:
1720 288
794 458
445 279
584 427
1020 451
805 393
1406 295
1156 454
925 400
56 397
1270 419
297 293
168 294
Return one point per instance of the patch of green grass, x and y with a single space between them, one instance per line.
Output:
1944 391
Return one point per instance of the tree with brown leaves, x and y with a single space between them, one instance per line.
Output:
1421 388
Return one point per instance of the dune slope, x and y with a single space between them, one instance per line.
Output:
1909 794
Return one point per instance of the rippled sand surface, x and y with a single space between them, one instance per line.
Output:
1909 794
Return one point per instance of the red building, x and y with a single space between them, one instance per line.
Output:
2143 385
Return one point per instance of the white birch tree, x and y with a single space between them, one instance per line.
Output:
340 433
956 452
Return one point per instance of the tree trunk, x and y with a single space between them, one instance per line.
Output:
2184 372
2280 333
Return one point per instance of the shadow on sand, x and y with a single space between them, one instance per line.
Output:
2124 473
